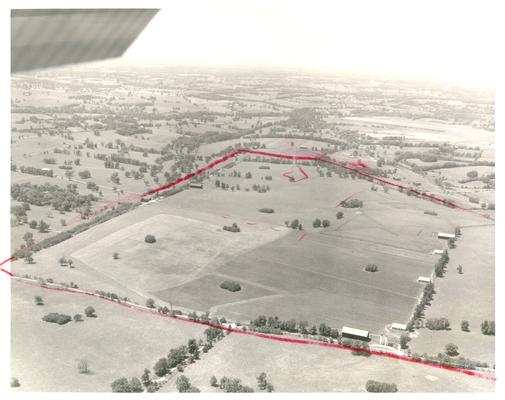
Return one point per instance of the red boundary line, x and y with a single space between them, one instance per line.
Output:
267 336
264 335
321 158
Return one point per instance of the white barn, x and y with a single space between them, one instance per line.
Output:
424 279
442 235
353 333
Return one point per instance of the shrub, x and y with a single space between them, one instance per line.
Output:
465 326
232 286
150 239
326 223
380 387
90 312
15 382
404 340
60 319
78 318
371 268
340 215
39 301
267 210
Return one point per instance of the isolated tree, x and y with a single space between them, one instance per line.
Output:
294 224
150 303
326 223
78 318
82 366
29 258
33 224
472 174
15 382
115 255
150 239
451 349
460 269
457 231
488 328
39 301
316 223
193 347
213 381
340 215
90 312
465 326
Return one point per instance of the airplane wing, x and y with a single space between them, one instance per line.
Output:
44 38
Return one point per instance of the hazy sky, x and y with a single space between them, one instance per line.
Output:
442 39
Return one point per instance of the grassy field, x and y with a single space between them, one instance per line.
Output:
468 296
119 342
299 368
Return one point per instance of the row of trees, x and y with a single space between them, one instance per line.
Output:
276 325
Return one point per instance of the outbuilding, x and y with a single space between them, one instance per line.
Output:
399 327
353 333
195 185
442 235
438 251
424 279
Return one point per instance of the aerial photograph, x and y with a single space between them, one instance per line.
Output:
270 197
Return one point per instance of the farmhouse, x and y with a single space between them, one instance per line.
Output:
442 235
424 279
352 333
399 327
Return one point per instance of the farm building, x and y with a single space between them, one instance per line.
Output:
352 333
438 251
442 235
196 185
424 279
399 327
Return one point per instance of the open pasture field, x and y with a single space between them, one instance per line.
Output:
301 368
119 342
183 247
467 296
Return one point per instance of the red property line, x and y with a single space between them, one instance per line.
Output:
321 158
146 310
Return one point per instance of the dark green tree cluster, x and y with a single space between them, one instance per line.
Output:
233 228
121 385
57 318
380 387
276 325
487 328
59 198
441 265
438 324
232 286
233 385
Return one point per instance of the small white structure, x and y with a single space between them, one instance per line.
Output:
353 333
398 326
442 235
438 251
424 279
